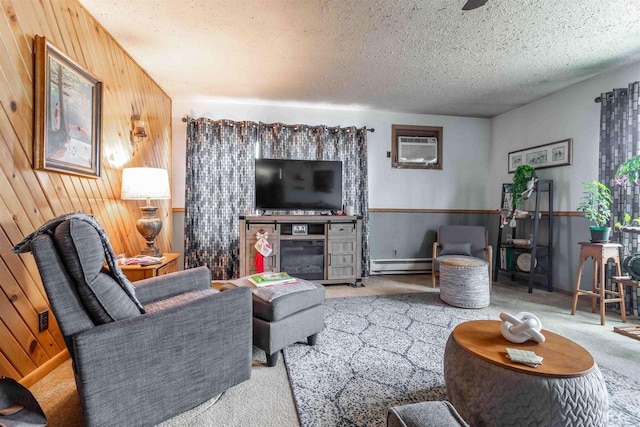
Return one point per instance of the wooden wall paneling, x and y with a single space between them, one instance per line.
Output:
90 35
20 119
119 99
68 44
13 351
40 350
16 71
77 198
6 368
22 110
11 202
21 278
32 16
25 299
14 234
70 192
54 192
74 47
15 36
28 197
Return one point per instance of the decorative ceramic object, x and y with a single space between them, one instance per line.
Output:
524 262
521 327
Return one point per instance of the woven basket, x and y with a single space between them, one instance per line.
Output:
465 282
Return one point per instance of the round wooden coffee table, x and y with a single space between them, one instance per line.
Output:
487 388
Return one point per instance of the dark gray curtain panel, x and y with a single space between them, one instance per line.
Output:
220 181
619 141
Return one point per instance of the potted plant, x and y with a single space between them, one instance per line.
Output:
628 172
595 206
524 179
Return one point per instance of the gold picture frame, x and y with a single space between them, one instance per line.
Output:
67 119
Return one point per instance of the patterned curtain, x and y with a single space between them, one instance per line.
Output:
619 141
219 174
220 181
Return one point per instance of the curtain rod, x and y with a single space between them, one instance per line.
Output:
187 118
610 94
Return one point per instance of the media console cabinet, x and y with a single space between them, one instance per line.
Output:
323 249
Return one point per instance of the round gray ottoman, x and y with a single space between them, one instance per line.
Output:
486 394
464 282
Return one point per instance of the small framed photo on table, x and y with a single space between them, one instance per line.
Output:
299 229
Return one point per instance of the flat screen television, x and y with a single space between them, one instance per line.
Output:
283 184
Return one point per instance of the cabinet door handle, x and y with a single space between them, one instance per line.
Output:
329 259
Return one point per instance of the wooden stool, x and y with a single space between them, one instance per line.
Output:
601 253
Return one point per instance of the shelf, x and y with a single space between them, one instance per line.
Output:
630 230
524 273
531 223
541 251
301 236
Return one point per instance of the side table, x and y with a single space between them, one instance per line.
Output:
169 264
488 389
601 253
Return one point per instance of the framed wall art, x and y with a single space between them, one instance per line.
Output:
67 119
542 156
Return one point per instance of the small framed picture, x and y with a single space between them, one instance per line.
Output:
299 229
542 156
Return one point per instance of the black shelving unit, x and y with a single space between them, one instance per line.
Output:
541 247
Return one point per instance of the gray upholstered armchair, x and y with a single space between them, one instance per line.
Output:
133 365
460 241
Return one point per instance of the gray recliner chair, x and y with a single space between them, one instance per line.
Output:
145 354
460 241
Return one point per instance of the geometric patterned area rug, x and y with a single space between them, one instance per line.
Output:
381 351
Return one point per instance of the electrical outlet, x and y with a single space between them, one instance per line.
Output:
43 320
388 154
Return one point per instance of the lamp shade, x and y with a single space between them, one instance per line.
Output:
145 183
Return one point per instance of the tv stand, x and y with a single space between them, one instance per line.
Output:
323 248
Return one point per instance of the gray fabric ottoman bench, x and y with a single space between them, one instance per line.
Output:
286 319
425 414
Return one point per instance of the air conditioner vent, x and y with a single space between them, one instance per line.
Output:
417 149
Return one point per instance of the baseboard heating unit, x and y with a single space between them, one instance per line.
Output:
400 266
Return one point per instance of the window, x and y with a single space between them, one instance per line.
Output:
416 147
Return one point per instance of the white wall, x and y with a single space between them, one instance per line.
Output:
570 113
460 185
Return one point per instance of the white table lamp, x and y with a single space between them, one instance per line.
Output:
146 184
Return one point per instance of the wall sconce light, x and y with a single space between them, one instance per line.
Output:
138 133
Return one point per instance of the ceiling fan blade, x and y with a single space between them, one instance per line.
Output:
472 4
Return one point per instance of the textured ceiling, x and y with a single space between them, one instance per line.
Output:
427 57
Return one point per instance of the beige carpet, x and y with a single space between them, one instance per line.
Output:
266 399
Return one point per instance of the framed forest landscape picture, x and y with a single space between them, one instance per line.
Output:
67 119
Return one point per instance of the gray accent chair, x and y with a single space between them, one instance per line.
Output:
460 241
133 368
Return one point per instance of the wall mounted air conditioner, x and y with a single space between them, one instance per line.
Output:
418 149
